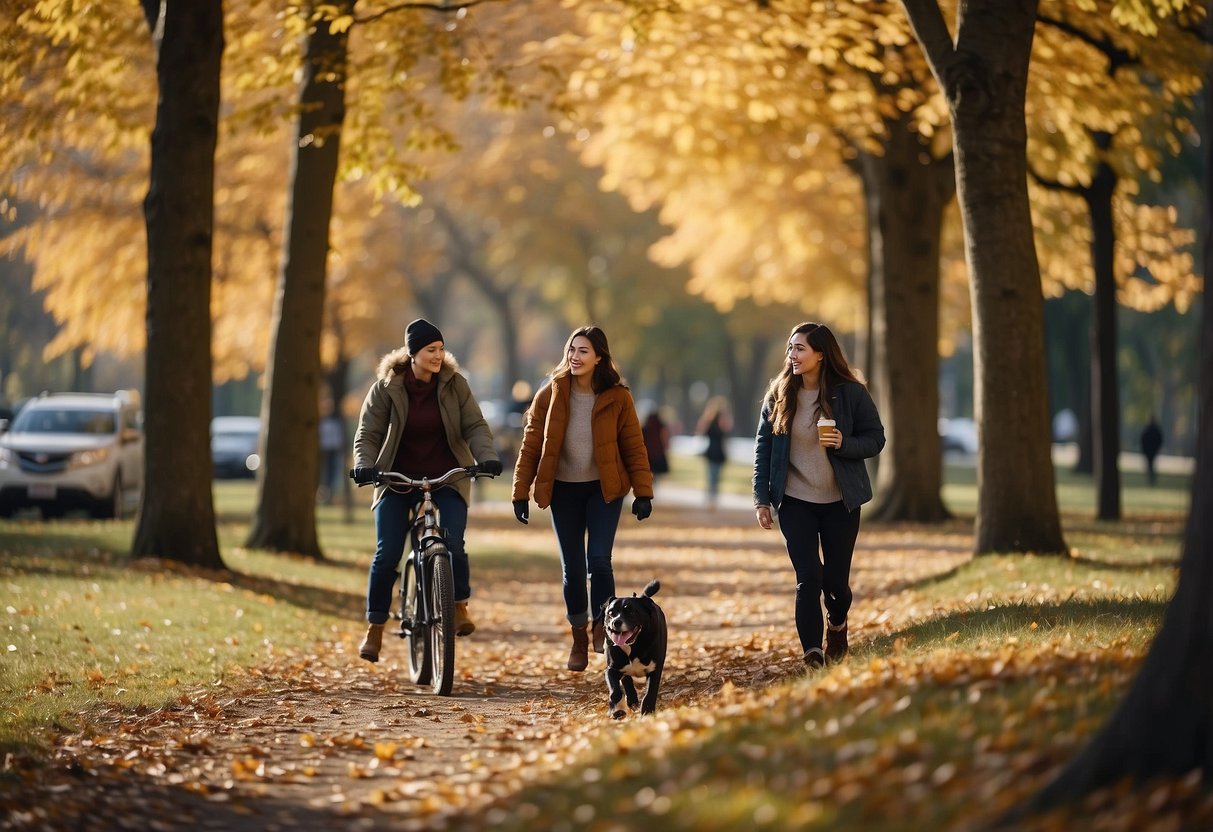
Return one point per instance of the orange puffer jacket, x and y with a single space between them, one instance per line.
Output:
623 463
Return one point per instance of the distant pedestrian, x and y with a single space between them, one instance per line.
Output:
814 476
1151 443
332 456
715 425
656 443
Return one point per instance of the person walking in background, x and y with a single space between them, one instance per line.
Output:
814 477
583 451
715 425
332 455
656 443
419 418
1151 444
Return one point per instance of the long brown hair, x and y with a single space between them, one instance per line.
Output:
781 393
606 373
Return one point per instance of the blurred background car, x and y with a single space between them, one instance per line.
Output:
67 451
958 435
234 446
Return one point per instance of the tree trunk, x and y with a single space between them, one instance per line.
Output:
984 77
1164 726
748 376
497 296
906 193
285 518
1105 387
177 513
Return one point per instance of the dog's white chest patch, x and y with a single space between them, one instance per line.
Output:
637 669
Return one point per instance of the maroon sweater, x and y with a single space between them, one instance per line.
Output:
424 450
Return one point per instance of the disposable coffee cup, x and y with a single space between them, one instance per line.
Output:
825 428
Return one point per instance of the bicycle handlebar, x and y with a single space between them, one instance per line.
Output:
395 478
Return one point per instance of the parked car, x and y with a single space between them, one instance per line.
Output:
958 435
67 451
234 446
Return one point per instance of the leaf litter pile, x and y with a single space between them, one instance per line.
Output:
892 738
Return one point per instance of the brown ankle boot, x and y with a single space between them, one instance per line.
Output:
579 653
464 626
836 641
369 649
597 635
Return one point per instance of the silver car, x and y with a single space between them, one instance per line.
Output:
74 451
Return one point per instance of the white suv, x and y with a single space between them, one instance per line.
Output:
73 450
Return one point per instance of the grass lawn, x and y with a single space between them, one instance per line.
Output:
990 670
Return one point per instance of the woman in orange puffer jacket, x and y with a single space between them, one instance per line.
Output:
583 451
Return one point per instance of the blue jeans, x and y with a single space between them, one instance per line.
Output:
803 525
392 530
585 527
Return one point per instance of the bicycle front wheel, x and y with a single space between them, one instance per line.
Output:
414 629
442 626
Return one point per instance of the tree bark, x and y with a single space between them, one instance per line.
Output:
984 78
498 297
285 517
1105 386
906 193
177 514
1164 726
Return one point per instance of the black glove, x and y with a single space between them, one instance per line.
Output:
364 476
642 507
522 510
492 467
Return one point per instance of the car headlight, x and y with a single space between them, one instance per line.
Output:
84 459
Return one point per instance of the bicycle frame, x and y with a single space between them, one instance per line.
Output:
426 589
425 531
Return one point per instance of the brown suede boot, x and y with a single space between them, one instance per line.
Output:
464 626
597 635
369 649
579 654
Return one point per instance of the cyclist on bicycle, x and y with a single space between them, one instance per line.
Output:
421 419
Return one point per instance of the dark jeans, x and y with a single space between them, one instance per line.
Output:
585 527
392 530
803 525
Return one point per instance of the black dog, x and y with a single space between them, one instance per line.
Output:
636 643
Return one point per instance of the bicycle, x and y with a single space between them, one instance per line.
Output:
427 592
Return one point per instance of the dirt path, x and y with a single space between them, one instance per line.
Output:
330 742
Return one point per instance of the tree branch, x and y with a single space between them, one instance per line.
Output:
1116 56
1054 185
425 5
926 19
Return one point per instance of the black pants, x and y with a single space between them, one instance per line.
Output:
828 573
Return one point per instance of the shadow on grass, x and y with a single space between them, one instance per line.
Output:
1013 619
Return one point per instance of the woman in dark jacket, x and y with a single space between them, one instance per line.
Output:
816 479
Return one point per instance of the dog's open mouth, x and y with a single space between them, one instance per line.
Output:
624 637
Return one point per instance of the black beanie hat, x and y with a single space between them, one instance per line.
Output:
420 334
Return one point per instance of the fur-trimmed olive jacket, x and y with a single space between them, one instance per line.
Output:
623 463
385 411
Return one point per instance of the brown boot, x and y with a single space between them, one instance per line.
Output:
464 626
597 635
836 641
369 649
579 654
